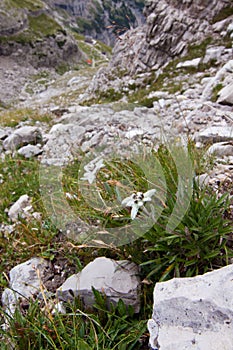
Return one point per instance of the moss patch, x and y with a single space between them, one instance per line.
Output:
224 13
43 25
15 116
104 97
31 5
38 27
215 92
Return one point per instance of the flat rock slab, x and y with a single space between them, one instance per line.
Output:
29 151
221 149
116 279
194 313
215 134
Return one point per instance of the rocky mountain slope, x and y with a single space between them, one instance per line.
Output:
36 44
173 29
30 33
43 33
171 26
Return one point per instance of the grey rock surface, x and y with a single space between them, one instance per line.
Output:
97 126
21 137
194 313
215 134
29 151
19 207
226 95
63 139
25 282
170 27
116 279
3 133
102 16
221 75
221 149
214 53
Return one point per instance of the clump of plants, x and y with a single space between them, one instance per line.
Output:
200 241
38 327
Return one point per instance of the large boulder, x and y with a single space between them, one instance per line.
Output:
193 313
21 137
215 134
116 279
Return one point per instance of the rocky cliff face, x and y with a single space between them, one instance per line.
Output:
103 19
172 29
171 26
41 32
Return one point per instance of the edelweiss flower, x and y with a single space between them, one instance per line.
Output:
70 195
137 200
92 168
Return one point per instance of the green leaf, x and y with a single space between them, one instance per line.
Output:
99 298
82 345
121 308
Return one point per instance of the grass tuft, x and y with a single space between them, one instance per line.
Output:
201 241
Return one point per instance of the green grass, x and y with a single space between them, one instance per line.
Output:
216 91
43 25
224 13
93 52
101 329
103 47
31 5
13 117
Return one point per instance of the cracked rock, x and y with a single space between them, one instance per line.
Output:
193 313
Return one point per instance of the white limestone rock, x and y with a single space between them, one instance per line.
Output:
215 134
25 282
29 151
203 179
21 137
221 149
226 95
117 279
190 63
230 29
62 139
21 206
213 53
134 132
3 133
220 76
194 313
